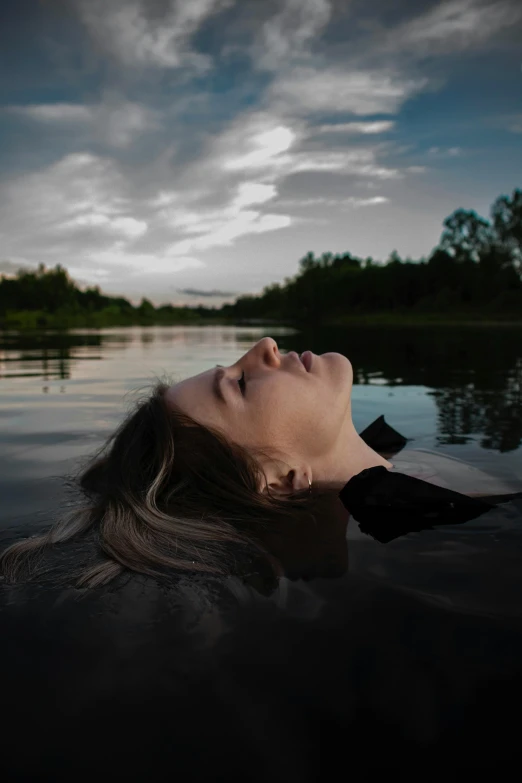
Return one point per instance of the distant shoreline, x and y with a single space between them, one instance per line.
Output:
422 320
22 321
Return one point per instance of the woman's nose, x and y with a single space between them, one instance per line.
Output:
269 344
265 350
269 350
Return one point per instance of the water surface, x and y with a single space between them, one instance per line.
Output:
398 647
61 394
457 391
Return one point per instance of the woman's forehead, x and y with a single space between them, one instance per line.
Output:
193 385
194 396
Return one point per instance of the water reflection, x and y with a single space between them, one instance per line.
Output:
62 393
473 375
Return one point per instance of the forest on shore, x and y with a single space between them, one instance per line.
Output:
473 274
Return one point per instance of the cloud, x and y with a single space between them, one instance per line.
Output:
224 234
102 214
10 268
272 149
378 126
114 121
289 33
454 26
366 202
73 209
506 122
305 90
350 201
449 152
355 162
138 33
84 207
515 124
81 189
253 193
52 112
124 227
266 148
199 292
310 127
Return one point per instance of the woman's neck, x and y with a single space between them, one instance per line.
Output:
350 457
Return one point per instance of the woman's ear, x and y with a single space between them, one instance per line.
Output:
287 481
281 484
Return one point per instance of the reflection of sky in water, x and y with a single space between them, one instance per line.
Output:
59 398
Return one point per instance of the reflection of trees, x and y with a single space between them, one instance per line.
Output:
50 356
475 374
497 417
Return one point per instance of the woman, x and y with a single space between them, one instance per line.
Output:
207 474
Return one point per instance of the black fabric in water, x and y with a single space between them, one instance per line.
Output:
387 504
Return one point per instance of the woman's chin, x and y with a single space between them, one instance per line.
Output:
340 356
342 362
341 370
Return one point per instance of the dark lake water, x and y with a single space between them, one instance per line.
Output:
431 622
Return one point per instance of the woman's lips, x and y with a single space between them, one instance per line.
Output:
306 358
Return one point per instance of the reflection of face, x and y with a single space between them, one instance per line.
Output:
301 414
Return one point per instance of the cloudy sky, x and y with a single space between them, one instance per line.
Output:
193 150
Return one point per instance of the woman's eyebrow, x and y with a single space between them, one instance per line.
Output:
216 384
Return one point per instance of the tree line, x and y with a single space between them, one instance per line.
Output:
48 297
475 269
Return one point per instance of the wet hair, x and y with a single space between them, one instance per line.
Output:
165 494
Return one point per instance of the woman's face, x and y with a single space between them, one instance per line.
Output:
301 414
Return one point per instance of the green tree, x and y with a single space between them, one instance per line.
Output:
308 262
466 235
506 214
145 308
